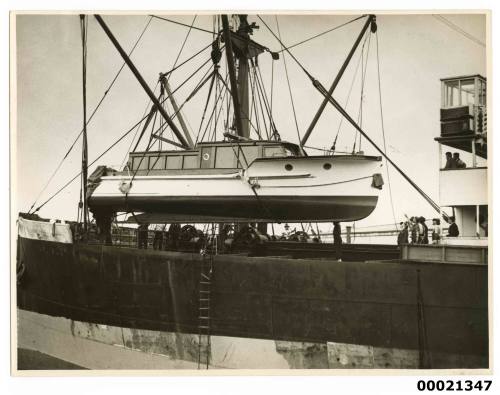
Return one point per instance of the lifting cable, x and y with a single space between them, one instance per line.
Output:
268 107
347 102
364 64
289 88
261 98
91 115
383 133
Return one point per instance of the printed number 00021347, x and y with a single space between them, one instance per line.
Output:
453 385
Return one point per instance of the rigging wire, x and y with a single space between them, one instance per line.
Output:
272 127
289 87
182 46
347 102
92 114
364 63
188 59
458 29
321 34
339 108
383 132
94 161
182 24
138 128
117 141
260 98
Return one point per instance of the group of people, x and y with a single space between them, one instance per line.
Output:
454 161
415 231
161 237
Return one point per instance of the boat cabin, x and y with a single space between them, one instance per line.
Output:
463 184
209 156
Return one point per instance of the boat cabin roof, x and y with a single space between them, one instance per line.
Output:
212 155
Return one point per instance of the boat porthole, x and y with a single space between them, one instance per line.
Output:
206 156
327 166
288 167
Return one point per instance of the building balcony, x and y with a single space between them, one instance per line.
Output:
463 187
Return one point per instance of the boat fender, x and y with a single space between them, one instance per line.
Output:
125 186
377 181
254 182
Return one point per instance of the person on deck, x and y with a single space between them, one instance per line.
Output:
450 163
337 240
414 230
453 228
158 238
403 233
436 230
142 236
425 236
420 230
460 164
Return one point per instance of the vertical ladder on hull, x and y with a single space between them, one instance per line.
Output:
206 272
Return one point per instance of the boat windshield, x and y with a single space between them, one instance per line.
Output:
278 151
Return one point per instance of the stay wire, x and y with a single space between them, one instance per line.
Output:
347 102
114 144
289 88
364 63
181 24
92 114
383 133
268 107
321 34
458 29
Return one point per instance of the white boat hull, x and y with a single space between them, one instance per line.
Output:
268 190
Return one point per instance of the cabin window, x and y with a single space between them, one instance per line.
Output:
225 158
278 151
157 162
274 151
174 162
140 163
190 162
248 155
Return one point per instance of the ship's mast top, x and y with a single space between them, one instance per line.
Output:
240 49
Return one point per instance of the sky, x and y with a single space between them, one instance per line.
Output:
415 51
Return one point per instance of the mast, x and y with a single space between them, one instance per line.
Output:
243 92
83 29
143 83
232 75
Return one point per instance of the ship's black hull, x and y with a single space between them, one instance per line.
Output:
267 298
292 208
